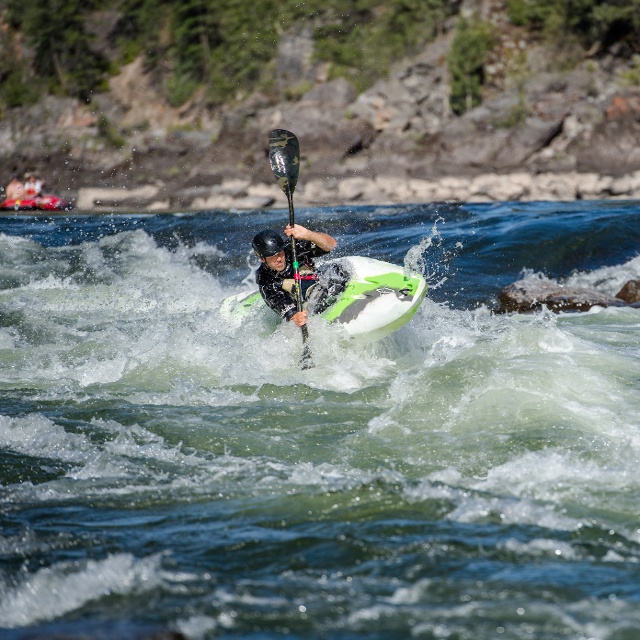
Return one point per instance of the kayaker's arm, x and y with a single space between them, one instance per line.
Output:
322 240
277 299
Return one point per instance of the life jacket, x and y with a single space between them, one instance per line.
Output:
308 278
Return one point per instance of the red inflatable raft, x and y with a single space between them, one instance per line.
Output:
42 203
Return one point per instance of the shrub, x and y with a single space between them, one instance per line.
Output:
471 43
61 45
109 133
590 22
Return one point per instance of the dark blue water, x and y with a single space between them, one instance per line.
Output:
471 476
498 240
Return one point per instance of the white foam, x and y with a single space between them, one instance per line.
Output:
197 627
541 547
608 279
36 435
51 592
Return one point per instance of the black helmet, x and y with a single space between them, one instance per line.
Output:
267 243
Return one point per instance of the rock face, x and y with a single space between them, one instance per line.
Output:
543 134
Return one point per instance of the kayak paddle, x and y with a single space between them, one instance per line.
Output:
284 157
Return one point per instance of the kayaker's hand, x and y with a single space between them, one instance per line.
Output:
299 318
297 231
322 240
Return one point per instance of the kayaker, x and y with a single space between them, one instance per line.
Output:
275 275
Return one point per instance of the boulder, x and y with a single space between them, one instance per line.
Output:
361 190
526 140
328 132
89 198
337 93
530 294
615 141
516 186
413 98
630 293
294 64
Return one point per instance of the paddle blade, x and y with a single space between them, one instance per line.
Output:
284 157
306 359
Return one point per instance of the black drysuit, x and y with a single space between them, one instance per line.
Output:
276 287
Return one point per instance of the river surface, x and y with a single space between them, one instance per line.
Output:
473 476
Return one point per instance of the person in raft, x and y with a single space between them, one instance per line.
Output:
319 287
32 185
14 190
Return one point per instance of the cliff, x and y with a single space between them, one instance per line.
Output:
543 130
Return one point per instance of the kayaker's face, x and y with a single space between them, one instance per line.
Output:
276 262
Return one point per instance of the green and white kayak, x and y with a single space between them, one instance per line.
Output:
379 299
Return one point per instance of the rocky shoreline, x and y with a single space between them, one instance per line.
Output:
243 194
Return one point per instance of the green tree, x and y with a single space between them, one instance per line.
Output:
590 22
16 87
248 42
363 40
140 30
194 31
471 43
62 53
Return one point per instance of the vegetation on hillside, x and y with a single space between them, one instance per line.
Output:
472 41
61 58
228 48
594 24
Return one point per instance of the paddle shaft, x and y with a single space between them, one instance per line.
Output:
296 274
